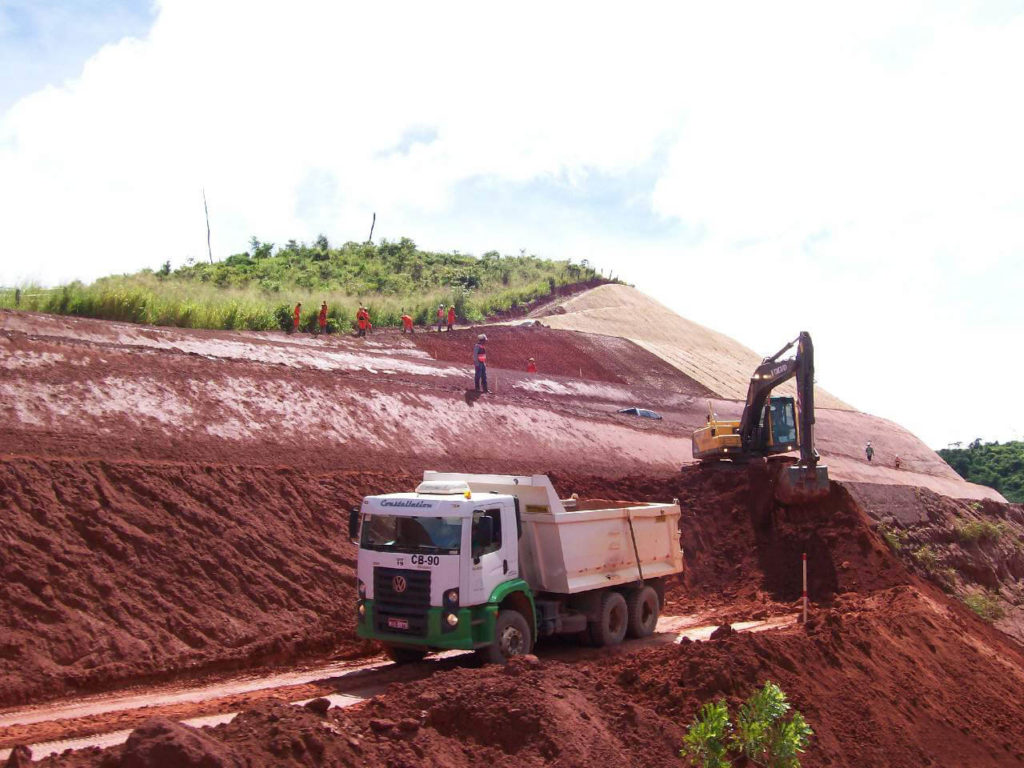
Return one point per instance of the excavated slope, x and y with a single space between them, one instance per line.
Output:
713 359
888 671
176 499
87 388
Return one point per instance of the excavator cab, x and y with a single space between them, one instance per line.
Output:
782 425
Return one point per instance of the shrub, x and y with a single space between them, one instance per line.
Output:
986 605
893 537
978 530
284 317
762 734
926 557
706 742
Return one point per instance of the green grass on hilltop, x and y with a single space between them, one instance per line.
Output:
257 290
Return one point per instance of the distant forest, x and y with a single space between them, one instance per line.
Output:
997 465
257 289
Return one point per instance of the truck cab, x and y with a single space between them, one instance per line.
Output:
430 565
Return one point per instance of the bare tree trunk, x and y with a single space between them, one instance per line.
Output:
372 225
209 250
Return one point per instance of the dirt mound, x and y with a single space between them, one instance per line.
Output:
742 546
866 674
971 549
116 570
121 570
160 743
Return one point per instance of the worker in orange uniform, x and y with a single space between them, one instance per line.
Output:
406 323
531 366
451 316
362 321
322 318
440 317
298 315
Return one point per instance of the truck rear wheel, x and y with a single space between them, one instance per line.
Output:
402 655
511 638
642 608
612 620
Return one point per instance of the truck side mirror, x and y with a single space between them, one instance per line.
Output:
353 524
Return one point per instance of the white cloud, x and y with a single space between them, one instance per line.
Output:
850 170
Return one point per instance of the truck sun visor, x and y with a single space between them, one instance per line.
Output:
443 487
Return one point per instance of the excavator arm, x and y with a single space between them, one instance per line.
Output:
772 372
752 435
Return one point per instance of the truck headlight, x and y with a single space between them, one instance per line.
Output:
451 598
452 619
362 609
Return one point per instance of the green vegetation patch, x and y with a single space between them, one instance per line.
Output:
986 605
926 557
762 733
999 466
894 537
976 531
257 290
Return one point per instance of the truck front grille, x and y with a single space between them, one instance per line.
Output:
402 598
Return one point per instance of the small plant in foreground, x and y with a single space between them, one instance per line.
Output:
761 734
706 743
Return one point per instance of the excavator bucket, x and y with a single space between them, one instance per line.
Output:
802 484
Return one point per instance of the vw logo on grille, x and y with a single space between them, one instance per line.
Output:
398 584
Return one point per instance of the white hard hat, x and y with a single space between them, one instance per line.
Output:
482 337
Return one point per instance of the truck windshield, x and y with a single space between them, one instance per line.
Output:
412 534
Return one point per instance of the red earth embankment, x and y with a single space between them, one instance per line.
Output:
116 571
887 672
176 500
867 674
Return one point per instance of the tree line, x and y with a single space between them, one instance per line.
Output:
996 465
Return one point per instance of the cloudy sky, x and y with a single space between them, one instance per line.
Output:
854 170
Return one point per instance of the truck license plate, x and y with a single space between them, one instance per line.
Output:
398 623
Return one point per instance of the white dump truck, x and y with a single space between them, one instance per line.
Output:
493 562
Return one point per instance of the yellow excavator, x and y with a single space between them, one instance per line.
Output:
772 425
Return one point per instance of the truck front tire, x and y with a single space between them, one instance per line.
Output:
642 607
511 638
612 620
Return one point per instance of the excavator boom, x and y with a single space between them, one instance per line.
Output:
761 427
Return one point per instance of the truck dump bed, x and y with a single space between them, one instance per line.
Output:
569 551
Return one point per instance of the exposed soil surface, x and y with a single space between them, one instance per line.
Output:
175 504
85 388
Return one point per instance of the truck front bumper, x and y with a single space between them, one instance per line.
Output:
475 628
